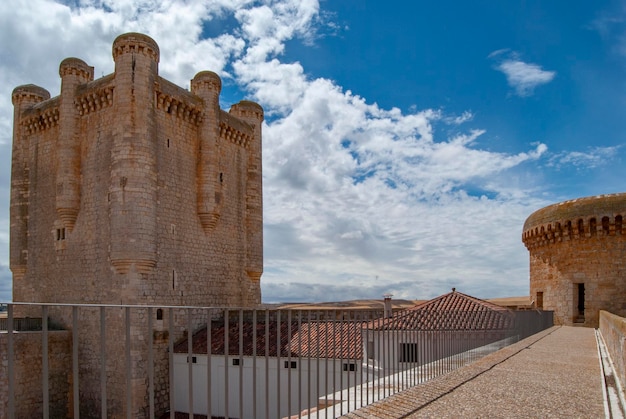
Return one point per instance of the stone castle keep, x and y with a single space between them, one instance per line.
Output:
131 190
578 258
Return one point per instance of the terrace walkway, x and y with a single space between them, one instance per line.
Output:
555 373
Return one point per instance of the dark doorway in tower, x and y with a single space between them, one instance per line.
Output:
579 316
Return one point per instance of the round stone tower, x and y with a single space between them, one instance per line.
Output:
578 258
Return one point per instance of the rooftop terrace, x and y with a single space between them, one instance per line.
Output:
554 373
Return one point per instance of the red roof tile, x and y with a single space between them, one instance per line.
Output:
452 311
323 339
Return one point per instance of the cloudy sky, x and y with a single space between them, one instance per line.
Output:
405 143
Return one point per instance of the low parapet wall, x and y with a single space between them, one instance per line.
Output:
613 330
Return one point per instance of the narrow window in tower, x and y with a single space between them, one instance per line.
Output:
173 279
159 314
60 234
168 143
221 177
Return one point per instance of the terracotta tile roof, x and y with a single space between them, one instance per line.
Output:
327 339
452 311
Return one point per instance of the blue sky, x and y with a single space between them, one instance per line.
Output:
405 143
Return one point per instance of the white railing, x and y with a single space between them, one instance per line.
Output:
139 361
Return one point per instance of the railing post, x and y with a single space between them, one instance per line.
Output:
254 377
226 366
129 392
103 364
44 362
170 328
209 362
150 336
75 372
11 361
190 360
241 326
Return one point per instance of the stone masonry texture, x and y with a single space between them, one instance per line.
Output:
578 258
131 190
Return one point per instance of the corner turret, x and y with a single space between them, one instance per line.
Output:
208 85
252 113
74 72
23 97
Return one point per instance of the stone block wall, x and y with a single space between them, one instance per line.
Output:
27 347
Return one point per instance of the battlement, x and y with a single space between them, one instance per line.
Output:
30 93
582 218
135 43
76 67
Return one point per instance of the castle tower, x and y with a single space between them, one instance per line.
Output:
578 258
24 98
131 190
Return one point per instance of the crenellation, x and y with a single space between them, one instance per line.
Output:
135 43
75 67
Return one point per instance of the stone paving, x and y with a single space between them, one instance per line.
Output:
553 374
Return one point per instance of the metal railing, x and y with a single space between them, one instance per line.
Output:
140 361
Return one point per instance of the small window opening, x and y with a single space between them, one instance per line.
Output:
593 227
237 361
539 301
349 367
221 177
60 234
159 314
408 352
292 364
618 224
168 143
581 227
193 360
173 279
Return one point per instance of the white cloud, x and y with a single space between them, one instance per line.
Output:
372 199
521 76
591 158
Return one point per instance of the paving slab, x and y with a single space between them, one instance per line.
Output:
553 374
